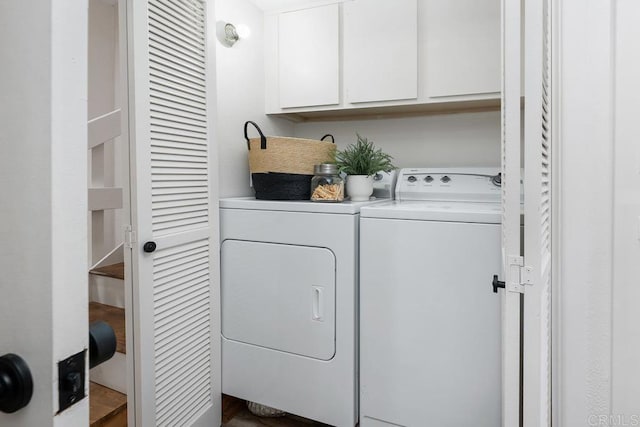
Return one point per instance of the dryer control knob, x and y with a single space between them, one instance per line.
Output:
445 179
412 179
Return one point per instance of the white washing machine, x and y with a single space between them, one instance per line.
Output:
289 291
430 338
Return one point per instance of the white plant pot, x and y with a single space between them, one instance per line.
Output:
359 187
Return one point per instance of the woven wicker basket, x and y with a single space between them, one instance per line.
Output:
286 155
281 186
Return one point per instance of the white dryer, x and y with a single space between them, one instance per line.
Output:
289 291
430 339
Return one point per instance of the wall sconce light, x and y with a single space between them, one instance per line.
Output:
227 33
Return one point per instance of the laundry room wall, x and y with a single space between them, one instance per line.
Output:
470 139
240 94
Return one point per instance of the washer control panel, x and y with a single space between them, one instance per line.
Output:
480 184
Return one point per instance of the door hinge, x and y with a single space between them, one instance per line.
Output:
519 274
129 237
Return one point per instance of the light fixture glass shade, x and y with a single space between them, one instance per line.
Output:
226 33
230 34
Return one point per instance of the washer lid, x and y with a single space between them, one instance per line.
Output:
486 213
346 207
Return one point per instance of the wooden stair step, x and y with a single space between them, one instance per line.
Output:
114 270
107 408
114 316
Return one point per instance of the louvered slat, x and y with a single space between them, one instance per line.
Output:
172 288
165 129
175 376
192 193
173 55
178 352
182 152
166 378
187 21
162 79
179 270
167 22
168 71
185 46
164 369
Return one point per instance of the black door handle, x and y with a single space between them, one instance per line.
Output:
102 343
496 284
16 383
149 247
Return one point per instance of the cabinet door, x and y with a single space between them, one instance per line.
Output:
461 47
308 57
380 50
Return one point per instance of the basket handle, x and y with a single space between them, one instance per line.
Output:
263 139
332 138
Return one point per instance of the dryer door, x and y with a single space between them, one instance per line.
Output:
279 296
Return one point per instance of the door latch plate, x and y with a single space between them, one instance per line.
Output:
71 380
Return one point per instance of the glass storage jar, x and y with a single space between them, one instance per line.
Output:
327 185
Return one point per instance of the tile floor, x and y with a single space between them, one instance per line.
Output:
236 414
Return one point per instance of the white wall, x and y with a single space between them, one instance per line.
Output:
597 326
471 139
240 92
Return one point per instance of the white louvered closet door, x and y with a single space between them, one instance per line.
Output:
511 208
538 209
174 208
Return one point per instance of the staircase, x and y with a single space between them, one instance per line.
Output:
108 388
107 145
108 408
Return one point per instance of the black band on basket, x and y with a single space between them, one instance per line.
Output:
332 138
263 139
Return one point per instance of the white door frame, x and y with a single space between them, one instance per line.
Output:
511 189
596 374
43 213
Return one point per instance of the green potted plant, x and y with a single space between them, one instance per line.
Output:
361 161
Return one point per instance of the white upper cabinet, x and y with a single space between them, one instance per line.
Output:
339 57
380 50
308 57
461 47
